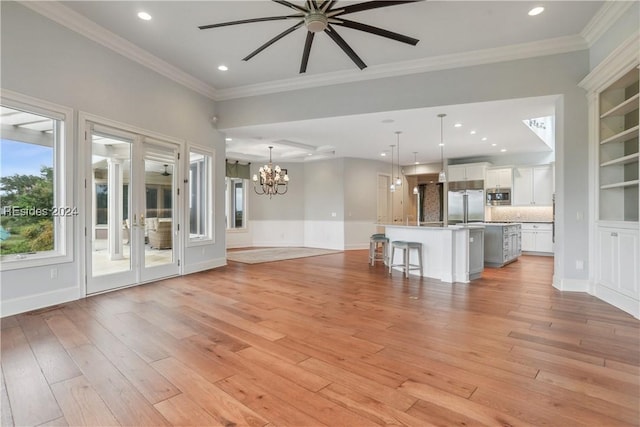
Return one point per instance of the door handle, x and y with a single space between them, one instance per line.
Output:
141 220
135 222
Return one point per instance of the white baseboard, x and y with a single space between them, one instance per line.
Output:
205 265
571 285
277 244
356 246
34 302
623 302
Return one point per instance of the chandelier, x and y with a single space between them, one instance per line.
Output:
273 180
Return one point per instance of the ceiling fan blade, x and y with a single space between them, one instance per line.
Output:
370 5
248 21
377 31
326 5
273 40
305 53
291 5
331 32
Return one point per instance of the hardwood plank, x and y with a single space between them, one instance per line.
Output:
222 406
67 333
6 417
58 422
81 404
30 397
127 405
53 359
262 402
180 410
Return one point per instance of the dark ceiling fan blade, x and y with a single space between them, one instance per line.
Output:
370 5
305 53
291 5
273 40
377 31
248 21
331 32
326 5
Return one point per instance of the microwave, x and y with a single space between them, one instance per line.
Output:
498 196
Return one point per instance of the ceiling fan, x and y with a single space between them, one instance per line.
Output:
320 15
166 172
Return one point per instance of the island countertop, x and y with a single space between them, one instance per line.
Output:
454 253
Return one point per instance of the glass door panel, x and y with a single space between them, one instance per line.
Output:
110 261
160 213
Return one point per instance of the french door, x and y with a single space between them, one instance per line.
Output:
133 200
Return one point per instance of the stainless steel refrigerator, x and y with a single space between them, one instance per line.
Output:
465 202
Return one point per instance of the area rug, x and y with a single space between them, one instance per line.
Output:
256 256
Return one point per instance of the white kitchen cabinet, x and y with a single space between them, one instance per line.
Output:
618 260
499 178
533 186
467 172
537 237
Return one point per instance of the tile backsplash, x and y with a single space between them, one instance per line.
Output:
521 213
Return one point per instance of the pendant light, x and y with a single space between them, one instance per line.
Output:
398 179
415 162
392 187
442 176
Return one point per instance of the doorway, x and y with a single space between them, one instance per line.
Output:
133 199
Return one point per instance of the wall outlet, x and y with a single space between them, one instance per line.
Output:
54 273
579 264
333 214
578 216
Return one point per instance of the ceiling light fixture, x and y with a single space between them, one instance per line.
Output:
398 179
383 154
473 132
144 16
493 145
223 68
484 138
415 162
228 139
457 125
536 11
503 150
442 176
273 180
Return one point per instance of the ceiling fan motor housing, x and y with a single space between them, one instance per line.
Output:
316 21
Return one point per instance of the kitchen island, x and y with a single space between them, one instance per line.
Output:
450 254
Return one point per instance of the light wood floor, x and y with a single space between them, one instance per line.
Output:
326 341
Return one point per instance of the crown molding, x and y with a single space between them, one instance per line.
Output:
624 58
604 19
464 59
89 29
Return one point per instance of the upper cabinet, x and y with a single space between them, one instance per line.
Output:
533 186
618 149
467 172
499 178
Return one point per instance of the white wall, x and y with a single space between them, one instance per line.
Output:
47 61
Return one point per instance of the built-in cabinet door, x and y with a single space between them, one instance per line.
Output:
522 194
528 241
475 173
499 178
457 173
617 255
544 241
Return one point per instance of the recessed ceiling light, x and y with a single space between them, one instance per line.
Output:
493 145
503 150
473 132
484 138
223 67
441 144
309 154
457 125
228 139
536 11
416 163
144 16
383 154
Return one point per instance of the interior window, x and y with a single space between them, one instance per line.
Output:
236 207
200 200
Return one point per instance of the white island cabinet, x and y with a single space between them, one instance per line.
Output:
450 254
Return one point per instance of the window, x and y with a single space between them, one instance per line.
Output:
36 215
102 206
236 207
200 199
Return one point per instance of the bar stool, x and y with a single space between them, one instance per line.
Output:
378 241
406 254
